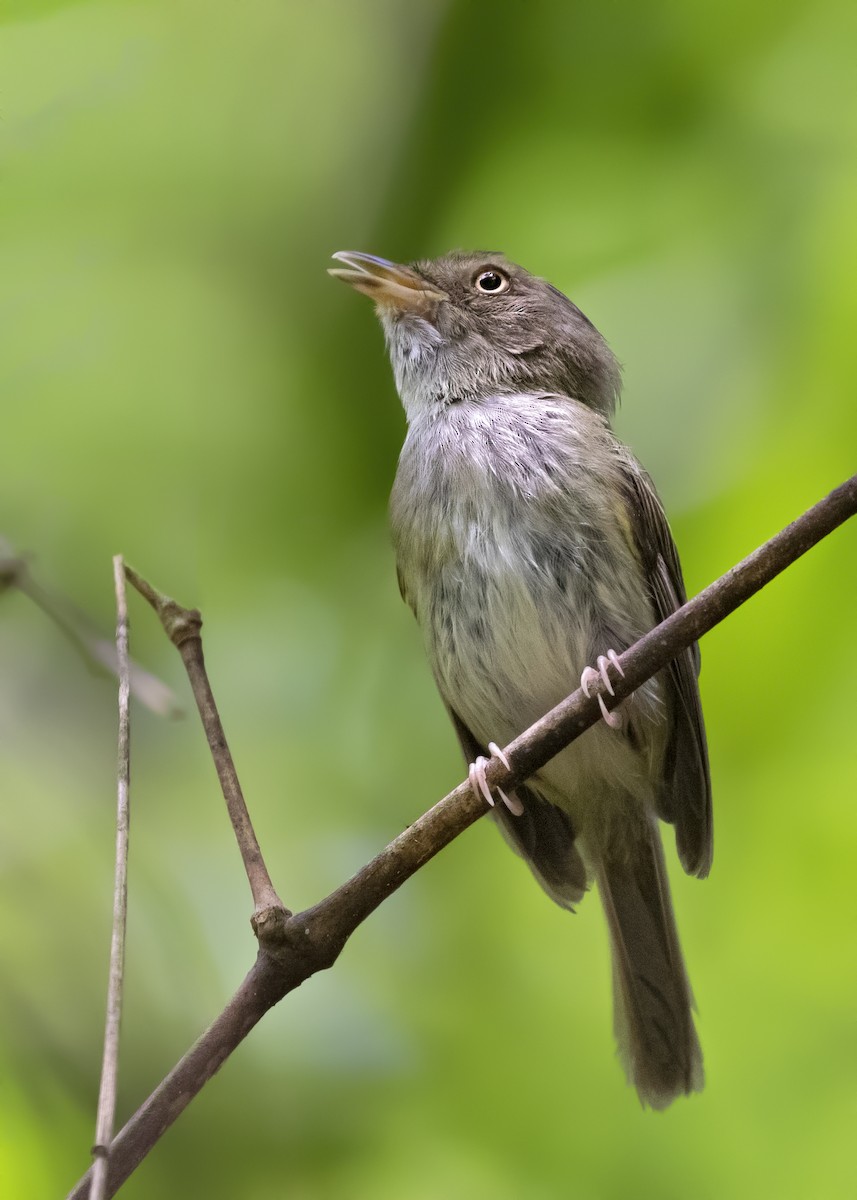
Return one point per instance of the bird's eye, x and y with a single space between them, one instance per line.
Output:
491 282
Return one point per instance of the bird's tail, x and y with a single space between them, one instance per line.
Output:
653 1022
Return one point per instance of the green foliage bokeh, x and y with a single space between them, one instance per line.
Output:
182 383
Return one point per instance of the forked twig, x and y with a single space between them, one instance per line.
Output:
183 626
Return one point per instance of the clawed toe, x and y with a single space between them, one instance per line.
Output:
480 785
478 781
513 804
613 719
495 752
613 657
600 672
588 677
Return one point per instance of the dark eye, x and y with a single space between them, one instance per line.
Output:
491 282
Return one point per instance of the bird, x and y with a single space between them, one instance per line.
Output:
529 544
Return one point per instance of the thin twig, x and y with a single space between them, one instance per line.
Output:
311 941
182 626
110 1063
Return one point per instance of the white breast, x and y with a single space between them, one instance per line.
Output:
513 553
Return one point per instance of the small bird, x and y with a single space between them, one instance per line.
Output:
530 543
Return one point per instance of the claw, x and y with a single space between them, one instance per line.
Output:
613 719
496 752
479 783
603 663
600 673
513 804
614 658
589 676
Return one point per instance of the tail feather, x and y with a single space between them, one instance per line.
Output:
653 1022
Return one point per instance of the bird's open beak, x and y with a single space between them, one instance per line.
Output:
388 284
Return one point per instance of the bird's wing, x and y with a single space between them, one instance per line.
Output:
685 798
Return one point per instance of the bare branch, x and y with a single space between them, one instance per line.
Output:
110 1063
311 940
182 626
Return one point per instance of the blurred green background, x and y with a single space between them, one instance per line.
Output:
181 382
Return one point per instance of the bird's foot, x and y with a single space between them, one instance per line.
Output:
480 784
601 671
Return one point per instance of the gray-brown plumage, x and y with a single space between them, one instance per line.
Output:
529 541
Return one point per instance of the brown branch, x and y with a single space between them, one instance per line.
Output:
110 1063
182 626
311 941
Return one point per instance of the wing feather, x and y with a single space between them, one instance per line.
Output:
685 798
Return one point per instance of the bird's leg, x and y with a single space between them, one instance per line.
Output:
601 671
479 783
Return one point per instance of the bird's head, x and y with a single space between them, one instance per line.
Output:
471 325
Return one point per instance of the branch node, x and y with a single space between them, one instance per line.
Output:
180 624
271 925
